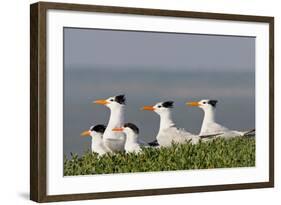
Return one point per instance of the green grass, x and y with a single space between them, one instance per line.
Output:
219 153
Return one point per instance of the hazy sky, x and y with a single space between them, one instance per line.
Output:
139 50
151 67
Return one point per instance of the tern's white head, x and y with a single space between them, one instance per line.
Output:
130 129
205 104
112 102
95 132
161 107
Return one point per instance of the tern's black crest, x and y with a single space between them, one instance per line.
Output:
98 128
120 99
133 127
213 102
168 104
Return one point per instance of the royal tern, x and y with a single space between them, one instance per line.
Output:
209 124
168 132
132 144
96 133
114 141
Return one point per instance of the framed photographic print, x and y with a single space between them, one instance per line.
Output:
134 102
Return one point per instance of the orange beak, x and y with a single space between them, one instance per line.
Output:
150 108
196 104
118 129
101 102
85 133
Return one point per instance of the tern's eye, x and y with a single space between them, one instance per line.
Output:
159 106
111 100
204 102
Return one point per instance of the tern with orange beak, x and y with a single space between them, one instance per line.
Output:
209 125
96 132
168 132
114 141
132 144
